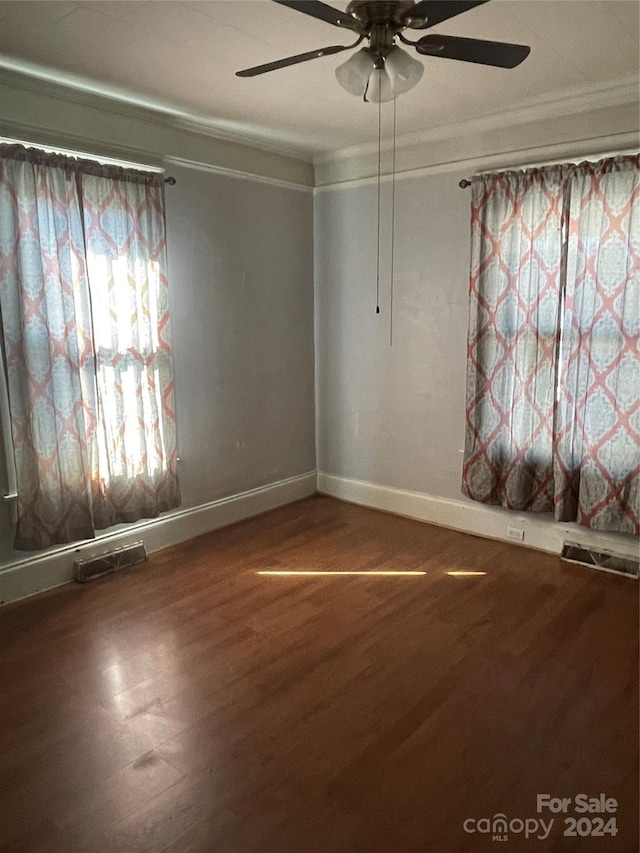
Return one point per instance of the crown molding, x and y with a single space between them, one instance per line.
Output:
593 149
75 87
572 101
243 135
235 173
28 92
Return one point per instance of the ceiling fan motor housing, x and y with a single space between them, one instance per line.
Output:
373 13
381 21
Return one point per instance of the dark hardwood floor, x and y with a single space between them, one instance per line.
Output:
191 705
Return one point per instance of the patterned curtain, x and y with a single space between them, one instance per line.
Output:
514 326
44 301
83 299
126 263
553 376
597 460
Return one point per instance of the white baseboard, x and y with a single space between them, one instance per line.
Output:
540 531
36 574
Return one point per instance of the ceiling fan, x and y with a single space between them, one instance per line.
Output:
383 70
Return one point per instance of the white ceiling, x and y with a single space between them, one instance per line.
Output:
183 55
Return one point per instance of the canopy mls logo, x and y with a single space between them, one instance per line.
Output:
593 819
499 827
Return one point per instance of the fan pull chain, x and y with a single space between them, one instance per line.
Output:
379 191
393 220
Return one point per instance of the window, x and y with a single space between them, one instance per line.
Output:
83 299
553 393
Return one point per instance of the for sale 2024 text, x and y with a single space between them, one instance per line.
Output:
593 814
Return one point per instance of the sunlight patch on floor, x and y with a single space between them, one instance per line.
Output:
315 573
464 574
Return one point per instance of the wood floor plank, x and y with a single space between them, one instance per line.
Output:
191 705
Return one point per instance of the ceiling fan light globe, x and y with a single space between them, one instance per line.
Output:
379 88
404 71
353 75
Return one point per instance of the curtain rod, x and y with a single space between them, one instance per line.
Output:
67 152
593 158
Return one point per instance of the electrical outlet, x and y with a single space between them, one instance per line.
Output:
516 533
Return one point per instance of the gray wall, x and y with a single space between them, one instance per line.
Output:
241 271
393 415
241 290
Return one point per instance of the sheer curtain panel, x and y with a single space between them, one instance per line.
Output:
83 299
514 327
597 458
553 359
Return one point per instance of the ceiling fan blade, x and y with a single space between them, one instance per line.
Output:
293 60
323 12
436 11
497 53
